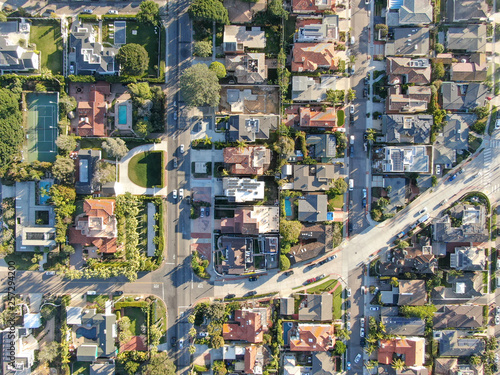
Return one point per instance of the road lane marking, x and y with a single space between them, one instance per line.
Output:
156 286
200 285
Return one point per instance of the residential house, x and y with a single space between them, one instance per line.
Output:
248 359
249 68
408 42
465 288
452 345
311 7
414 260
313 208
406 159
387 369
287 306
453 139
398 325
409 12
412 293
248 326
239 39
86 165
468 258
471 38
96 226
319 30
463 97
322 146
313 177
323 363
14 55
313 118
316 307
250 160
249 128
407 128
252 220
308 89
238 253
242 190
35 218
290 366
18 346
91 118
314 239
410 349
470 69
102 369
466 10
473 228
310 337
458 316
88 55
309 57
415 100
450 366
404 70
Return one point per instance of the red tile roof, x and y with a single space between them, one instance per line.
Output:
313 56
248 327
397 67
313 338
92 113
250 355
311 118
251 160
410 349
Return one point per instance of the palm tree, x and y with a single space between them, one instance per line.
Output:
370 365
370 349
207 141
192 349
192 332
398 364
370 135
241 145
475 360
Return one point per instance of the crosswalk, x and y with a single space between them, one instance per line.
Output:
491 185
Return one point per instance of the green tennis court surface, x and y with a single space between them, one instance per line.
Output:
42 126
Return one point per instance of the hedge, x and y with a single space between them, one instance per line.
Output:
122 305
81 78
125 17
88 17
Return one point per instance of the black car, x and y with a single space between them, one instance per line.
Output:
252 293
173 341
349 227
288 273
230 296
323 262
253 278
362 341
365 93
118 292
367 80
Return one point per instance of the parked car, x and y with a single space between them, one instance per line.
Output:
309 281
365 93
181 194
358 357
460 171
353 40
112 11
231 296
207 211
50 273
91 292
361 332
252 293
332 257
71 68
362 321
174 194
203 334
253 278
353 70
364 193
374 308
351 110
497 310
348 365
87 11
362 341
366 80
288 273
175 115
348 290
181 343
348 326
497 319
173 341
202 212
118 292
363 202
182 148
175 162
323 262
438 169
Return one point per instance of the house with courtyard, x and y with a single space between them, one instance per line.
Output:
413 129
246 359
473 68
86 164
309 89
249 68
450 366
91 111
88 55
453 139
313 208
408 13
320 30
309 57
463 97
404 70
414 100
249 161
241 190
322 146
416 260
316 118
249 128
451 344
316 307
240 39
410 349
35 217
16 56
20 356
470 38
409 42
311 337
466 10
97 226
252 220
406 159
314 239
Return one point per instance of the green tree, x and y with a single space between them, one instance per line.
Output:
219 69
143 128
203 48
48 352
475 360
422 312
149 12
339 187
343 334
200 86
209 10
290 230
219 368
217 341
40 87
140 92
284 262
11 131
332 96
192 349
403 245
383 202
191 318
284 146
439 48
64 170
192 332
384 29
394 280
351 95
159 364
3 17
105 172
133 59
115 147
434 180
438 70
398 364
339 348
66 143
275 9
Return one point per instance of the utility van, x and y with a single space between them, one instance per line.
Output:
423 219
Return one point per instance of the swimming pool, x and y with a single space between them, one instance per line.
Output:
90 334
288 207
122 114
44 195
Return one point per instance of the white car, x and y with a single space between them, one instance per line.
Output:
50 273
497 125
181 193
175 115
91 292
181 343
203 334
182 148
362 321
364 193
348 326
112 11
374 308
497 319
174 194
358 357
423 210
87 11
438 169
362 332
351 110
353 40
202 212
497 310
348 290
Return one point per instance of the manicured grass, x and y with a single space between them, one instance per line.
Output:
145 169
81 368
148 39
340 117
325 287
137 319
337 201
47 37
337 303
22 260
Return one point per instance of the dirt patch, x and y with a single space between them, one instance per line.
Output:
259 99
204 249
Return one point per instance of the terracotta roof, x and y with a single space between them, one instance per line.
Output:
411 350
247 327
397 67
251 160
92 113
326 119
313 56
250 355
312 338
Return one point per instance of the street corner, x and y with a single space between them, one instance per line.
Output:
204 250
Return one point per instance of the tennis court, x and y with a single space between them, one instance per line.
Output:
120 32
42 126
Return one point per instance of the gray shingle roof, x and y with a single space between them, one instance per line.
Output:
451 345
466 10
407 128
458 316
471 38
463 97
248 128
316 307
397 325
313 208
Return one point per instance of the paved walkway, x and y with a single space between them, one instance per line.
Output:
125 185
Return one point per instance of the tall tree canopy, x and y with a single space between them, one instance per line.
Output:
200 86
133 59
11 131
209 10
149 12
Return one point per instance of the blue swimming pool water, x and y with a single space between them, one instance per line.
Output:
122 114
288 207
90 334
46 186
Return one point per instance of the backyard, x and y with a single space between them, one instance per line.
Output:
46 34
137 319
146 169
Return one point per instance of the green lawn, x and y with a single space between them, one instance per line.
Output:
337 303
47 37
137 319
148 39
337 201
22 260
145 169
81 368
324 287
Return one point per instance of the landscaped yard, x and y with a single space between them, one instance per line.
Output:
146 37
137 319
22 260
145 169
324 287
336 202
47 37
81 368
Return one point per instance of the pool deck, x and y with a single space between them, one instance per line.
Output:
125 128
